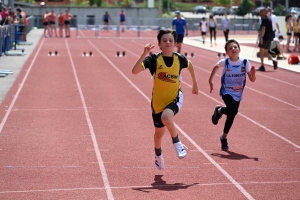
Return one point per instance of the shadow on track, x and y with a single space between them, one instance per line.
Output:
160 184
233 156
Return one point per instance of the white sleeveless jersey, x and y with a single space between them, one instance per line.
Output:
203 26
233 79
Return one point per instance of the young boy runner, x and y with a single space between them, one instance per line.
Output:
167 98
203 28
233 81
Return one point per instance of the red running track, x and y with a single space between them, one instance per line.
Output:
75 127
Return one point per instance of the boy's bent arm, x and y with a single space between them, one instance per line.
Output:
251 74
138 67
210 80
192 72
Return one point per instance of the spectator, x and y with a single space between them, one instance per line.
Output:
67 19
294 17
212 29
0 20
289 30
52 17
295 31
203 28
275 48
298 23
181 28
266 36
274 21
25 25
20 21
45 21
257 26
11 17
4 14
122 20
106 17
226 26
61 23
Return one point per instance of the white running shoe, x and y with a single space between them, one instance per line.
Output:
179 147
159 162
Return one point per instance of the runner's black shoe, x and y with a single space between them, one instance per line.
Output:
224 144
275 64
216 116
261 68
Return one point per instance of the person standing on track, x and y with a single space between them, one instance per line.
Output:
212 22
122 20
61 24
226 26
181 28
45 21
274 21
52 17
289 30
106 17
203 28
67 18
167 98
233 81
266 36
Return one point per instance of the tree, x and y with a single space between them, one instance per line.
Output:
99 3
91 2
225 3
245 7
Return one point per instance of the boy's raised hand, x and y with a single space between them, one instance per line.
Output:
148 48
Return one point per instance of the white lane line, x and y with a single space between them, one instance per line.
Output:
249 119
230 178
275 79
147 186
92 133
20 88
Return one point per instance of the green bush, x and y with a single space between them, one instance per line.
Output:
91 2
99 3
165 5
280 10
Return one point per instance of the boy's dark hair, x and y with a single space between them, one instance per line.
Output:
161 32
230 41
280 37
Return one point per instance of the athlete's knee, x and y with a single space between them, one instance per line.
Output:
232 112
167 117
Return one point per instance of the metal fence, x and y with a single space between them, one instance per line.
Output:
193 23
10 35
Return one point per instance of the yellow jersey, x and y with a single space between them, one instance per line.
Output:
166 78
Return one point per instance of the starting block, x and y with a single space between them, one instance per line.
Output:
55 53
120 55
189 55
222 55
87 53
